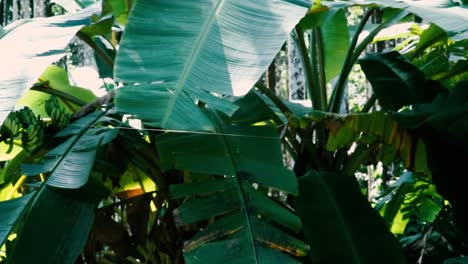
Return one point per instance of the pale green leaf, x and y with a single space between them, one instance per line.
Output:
32 46
335 37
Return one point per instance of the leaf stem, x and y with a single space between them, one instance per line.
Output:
354 52
45 88
318 65
369 104
338 91
359 155
269 93
313 91
104 56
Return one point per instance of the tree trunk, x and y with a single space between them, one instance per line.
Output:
297 89
39 8
15 11
25 9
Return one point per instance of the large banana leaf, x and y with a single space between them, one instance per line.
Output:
195 50
247 223
29 47
449 16
12 211
71 162
340 225
442 125
64 217
390 74
57 227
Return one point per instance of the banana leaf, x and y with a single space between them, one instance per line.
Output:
250 226
206 49
449 16
340 225
30 46
64 216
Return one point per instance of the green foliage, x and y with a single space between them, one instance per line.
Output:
339 224
64 217
195 68
246 218
409 198
389 73
203 180
29 45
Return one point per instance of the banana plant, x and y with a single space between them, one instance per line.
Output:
179 65
63 202
333 145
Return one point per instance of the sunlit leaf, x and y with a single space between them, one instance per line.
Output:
206 47
32 46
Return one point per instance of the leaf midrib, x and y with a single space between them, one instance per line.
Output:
189 64
242 196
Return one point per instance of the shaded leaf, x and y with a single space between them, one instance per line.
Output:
244 155
390 74
12 212
340 225
255 149
57 227
189 189
460 260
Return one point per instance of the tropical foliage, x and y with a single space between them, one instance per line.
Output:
183 159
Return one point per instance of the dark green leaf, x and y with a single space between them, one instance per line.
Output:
201 208
460 260
57 226
397 82
255 149
12 212
340 225
258 202
189 189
